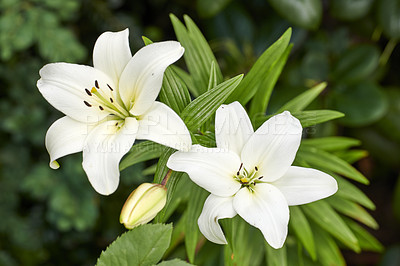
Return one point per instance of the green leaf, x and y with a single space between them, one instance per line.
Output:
175 262
254 79
356 64
195 205
363 103
300 102
331 143
324 160
349 191
314 117
204 106
212 81
365 239
210 8
350 10
198 55
275 257
260 101
303 13
389 17
352 156
352 210
328 252
141 152
301 227
144 245
146 40
323 215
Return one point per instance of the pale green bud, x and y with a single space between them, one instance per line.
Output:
143 204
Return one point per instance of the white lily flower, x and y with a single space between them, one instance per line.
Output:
110 105
250 174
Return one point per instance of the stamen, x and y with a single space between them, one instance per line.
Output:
116 124
87 104
238 172
111 100
96 84
101 107
255 167
111 89
260 177
88 92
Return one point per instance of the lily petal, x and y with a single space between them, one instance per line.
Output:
63 86
266 209
104 148
65 136
302 185
232 127
141 79
162 125
211 168
111 53
272 148
215 208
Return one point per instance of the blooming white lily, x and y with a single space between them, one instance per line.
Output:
250 174
110 105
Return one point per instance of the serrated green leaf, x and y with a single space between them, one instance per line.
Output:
144 245
195 205
328 252
141 152
303 13
300 102
365 239
275 257
352 210
323 215
301 227
324 160
331 143
204 106
198 55
260 101
349 191
175 262
255 77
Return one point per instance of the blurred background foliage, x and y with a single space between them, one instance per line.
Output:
52 217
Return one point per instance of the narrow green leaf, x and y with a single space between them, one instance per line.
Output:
198 55
174 92
195 205
204 106
275 257
212 81
141 152
331 143
349 191
260 101
301 227
187 79
328 252
174 262
143 245
352 156
323 215
352 210
300 102
365 239
146 40
314 117
324 160
255 77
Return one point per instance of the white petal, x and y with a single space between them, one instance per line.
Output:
272 148
104 148
211 168
232 127
215 208
302 185
63 86
162 125
141 79
266 209
65 136
111 53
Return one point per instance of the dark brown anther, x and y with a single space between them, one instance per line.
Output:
111 100
116 124
111 89
260 177
96 84
88 92
255 167
101 107
87 104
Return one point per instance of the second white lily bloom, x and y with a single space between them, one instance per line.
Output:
250 174
110 105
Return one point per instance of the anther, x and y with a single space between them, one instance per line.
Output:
116 124
87 104
101 107
238 172
96 84
111 100
260 177
111 89
88 92
255 167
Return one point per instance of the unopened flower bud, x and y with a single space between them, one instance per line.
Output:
143 204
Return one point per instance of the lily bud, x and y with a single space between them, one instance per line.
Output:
143 204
